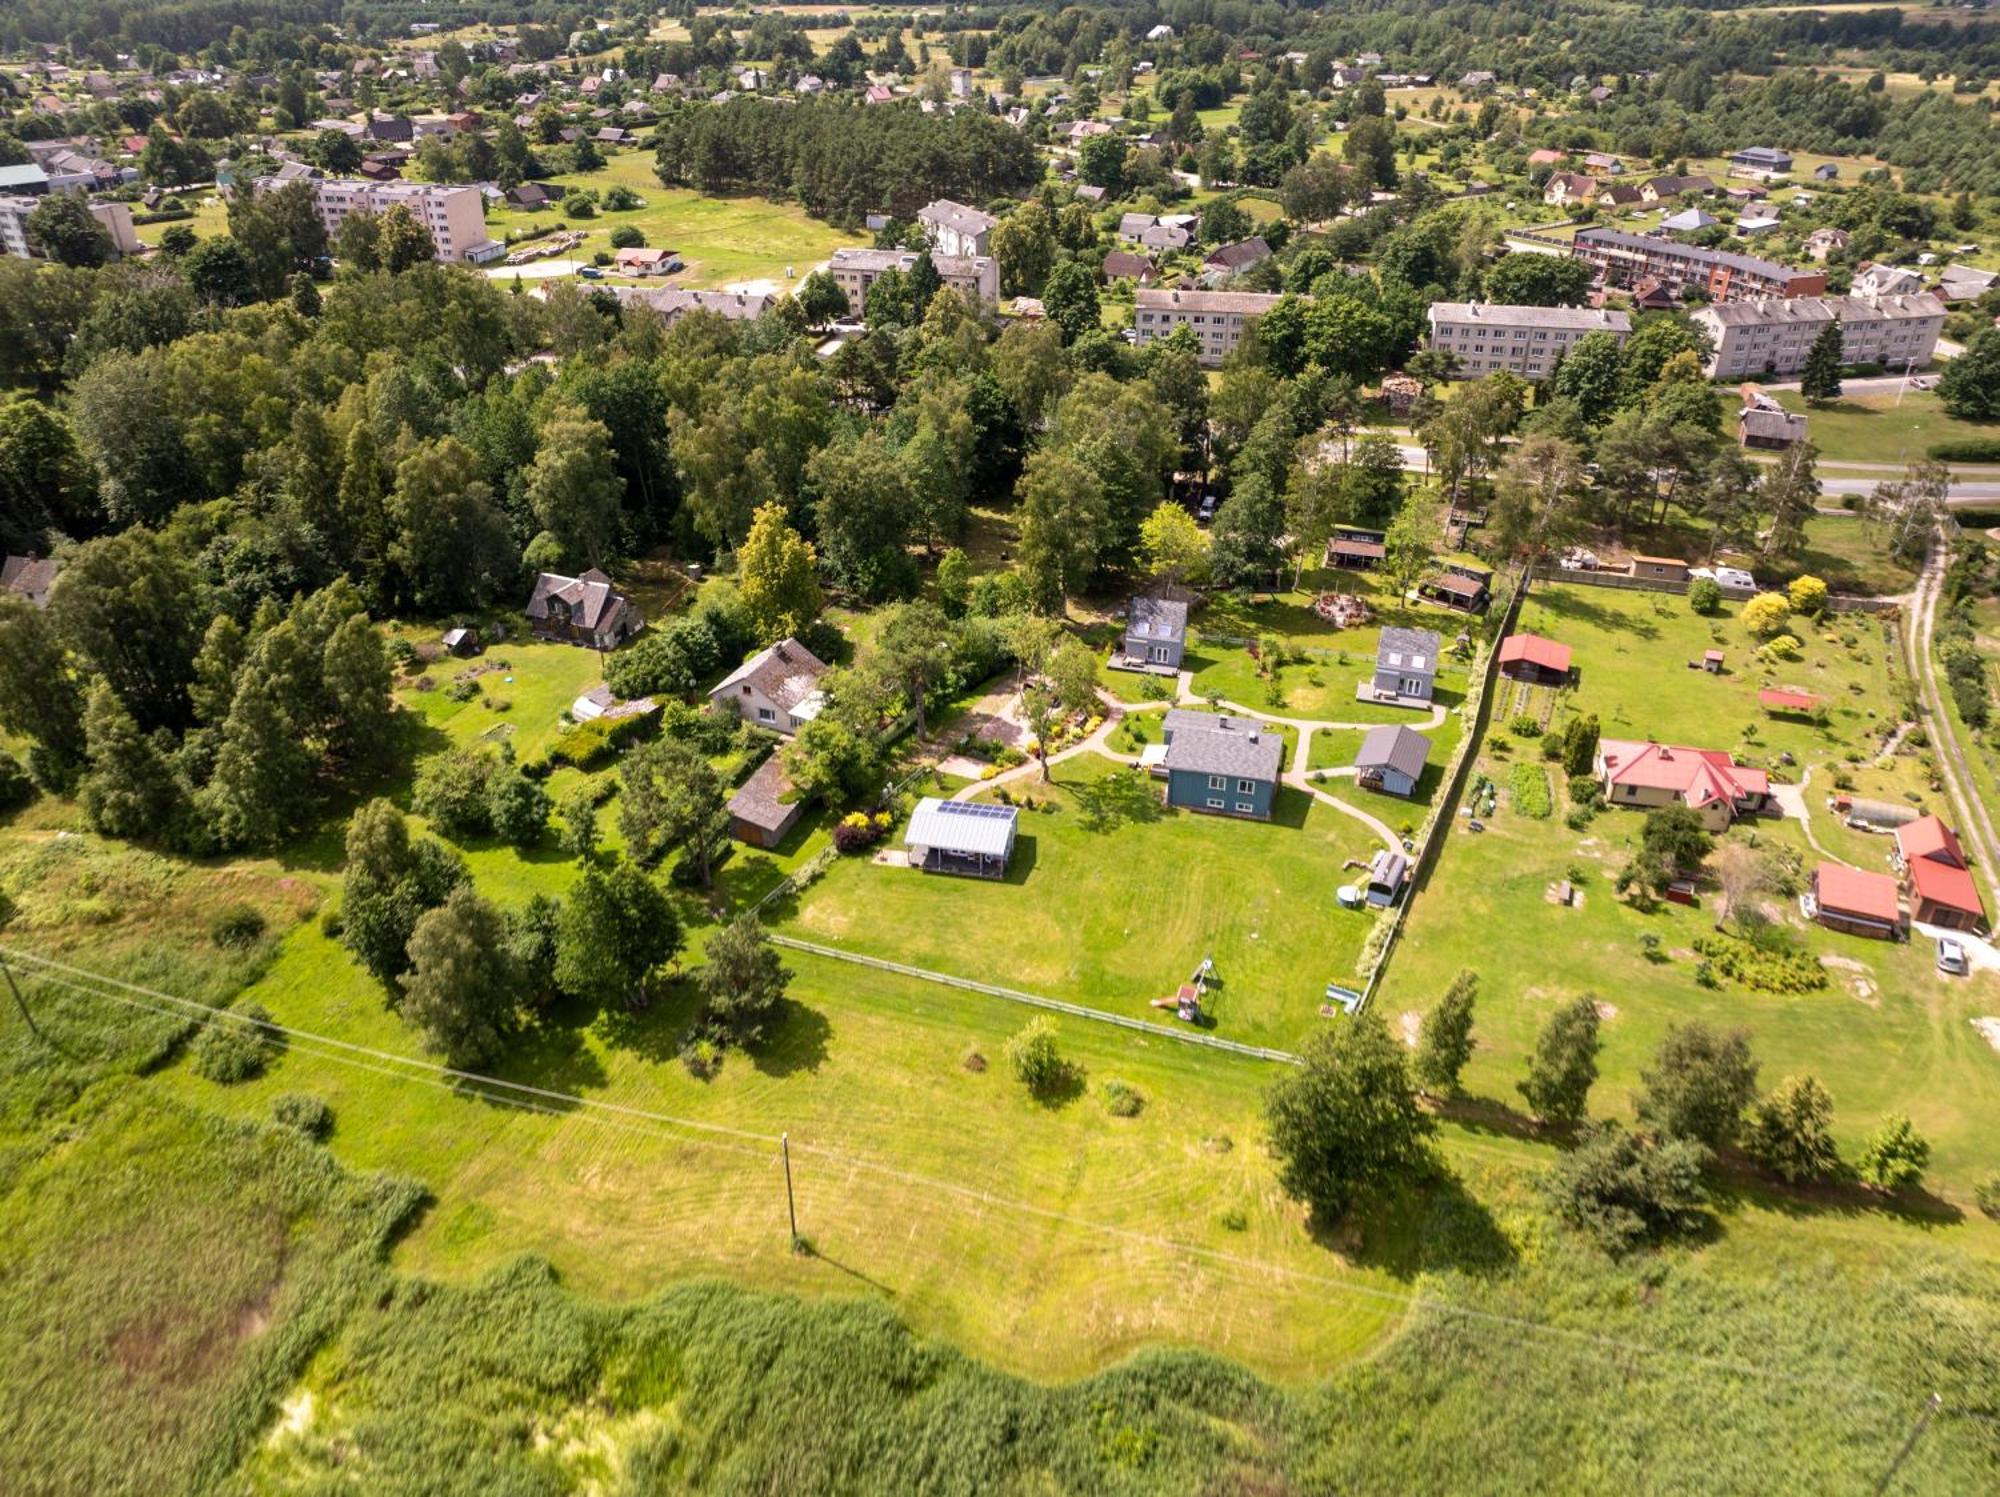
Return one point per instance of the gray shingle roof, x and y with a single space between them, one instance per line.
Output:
1405 649
1158 618
1210 743
762 801
1393 746
786 672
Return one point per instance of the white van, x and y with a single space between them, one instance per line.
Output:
1725 576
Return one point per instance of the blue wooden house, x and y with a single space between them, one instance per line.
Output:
1227 766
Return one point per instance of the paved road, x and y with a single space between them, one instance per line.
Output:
1975 820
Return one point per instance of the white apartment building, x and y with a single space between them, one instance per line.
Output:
1774 336
454 215
855 270
14 211
1218 319
956 229
1486 337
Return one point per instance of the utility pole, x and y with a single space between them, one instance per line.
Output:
1931 1406
19 1002
791 1207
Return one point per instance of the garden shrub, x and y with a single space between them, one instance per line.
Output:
1966 450
1122 1100
1036 1060
236 927
229 1050
1528 786
308 1114
1765 966
1524 726
1704 595
858 831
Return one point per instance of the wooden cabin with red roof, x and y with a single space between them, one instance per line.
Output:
1862 904
1646 776
1531 658
1933 863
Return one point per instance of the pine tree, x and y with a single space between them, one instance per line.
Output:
1445 1044
1820 379
263 772
130 789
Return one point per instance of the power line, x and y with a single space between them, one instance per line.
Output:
544 1101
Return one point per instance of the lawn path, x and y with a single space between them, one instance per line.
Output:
1297 778
1792 800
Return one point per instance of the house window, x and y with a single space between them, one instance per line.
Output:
746 691
1248 808
1246 787
1218 782
1215 803
766 715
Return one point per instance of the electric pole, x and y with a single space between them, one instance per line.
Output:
19 1002
791 1207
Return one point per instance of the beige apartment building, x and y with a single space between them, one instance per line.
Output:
454 215
855 270
1218 319
1486 337
1774 336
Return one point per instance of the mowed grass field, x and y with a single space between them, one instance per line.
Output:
1881 428
1887 1032
1112 900
725 241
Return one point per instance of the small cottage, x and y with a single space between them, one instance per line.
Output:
1406 664
1531 658
1861 904
1392 760
961 837
583 610
1932 860
1155 633
776 688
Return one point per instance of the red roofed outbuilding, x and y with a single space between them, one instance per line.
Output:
1942 887
1862 904
1529 657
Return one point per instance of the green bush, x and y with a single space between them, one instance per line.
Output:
1704 595
308 1114
1037 1062
1988 1196
1966 450
1528 786
229 1050
1122 1100
236 927
1766 966
1524 726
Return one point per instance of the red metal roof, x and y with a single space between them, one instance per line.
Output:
1941 883
1928 837
1849 891
1788 701
1536 651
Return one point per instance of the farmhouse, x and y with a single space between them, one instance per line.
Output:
1228 259
1155 632
762 811
776 688
962 837
581 610
1406 662
1932 861
1645 776
28 577
1531 658
1392 759
1862 904
1225 765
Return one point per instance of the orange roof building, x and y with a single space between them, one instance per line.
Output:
1941 883
1863 904
1645 776
1529 657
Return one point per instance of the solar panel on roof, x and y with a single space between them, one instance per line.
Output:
973 808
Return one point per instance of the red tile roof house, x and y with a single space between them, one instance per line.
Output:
1942 888
1862 904
1645 776
1529 657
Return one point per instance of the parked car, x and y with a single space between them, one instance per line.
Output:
1951 957
590 273
1207 510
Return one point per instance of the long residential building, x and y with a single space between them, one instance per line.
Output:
14 211
1625 259
454 216
855 270
1218 319
675 302
1486 338
1774 336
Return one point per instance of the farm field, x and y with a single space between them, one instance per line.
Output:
1885 1032
1112 900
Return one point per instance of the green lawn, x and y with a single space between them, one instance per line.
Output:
1888 1031
211 217
1112 900
1319 689
1879 428
723 240
1630 652
1849 556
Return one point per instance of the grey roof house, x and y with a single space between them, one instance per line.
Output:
28 577
776 688
1227 766
1406 662
1155 633
583 610
1392 759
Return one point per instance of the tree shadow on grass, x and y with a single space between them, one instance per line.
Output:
1435 1225
795 1042
1115 800
1068 1084
652 1033
1737 1183
1574 607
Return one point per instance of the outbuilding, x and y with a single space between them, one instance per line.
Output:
1860 903
1392 759
961 836
1941 884
762 812
1531 658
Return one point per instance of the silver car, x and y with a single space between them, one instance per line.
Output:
1951 957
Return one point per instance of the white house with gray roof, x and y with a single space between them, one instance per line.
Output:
956 229
1406 666
776 688
1774 336
1392 759
1155 633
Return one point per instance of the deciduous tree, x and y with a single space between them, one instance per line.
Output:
1564 1065
458 992
1345 1121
